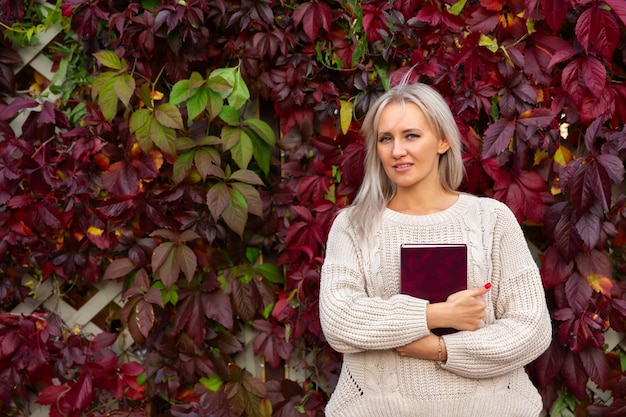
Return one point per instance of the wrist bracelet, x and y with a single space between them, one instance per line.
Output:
439 348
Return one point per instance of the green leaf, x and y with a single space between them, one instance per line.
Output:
124 88
107 100
197 103
345 115
182 165
207 162
140 125
184 143
217 199
196 80
212 382
262 153
163 137
110 60
214 104
210 140
271 273
247 176
240 94
99 82
262 129
242 150
222 81
252 197
457 7
180 92
169 116
252 253
382 74
230 136
236 213
230 115
489 43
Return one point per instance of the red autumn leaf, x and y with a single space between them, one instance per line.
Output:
439 18
548 365
536 117
554 12
618 7
497 137
554 270
142 318
312 16
578 292
574 375
595 261
119 268
561 230
121 179
313 186
300 117
597 29
352 164
589 227
103 340
594 75
216 306
613 165
86 20
51 394
240 298
81 394
14 107
582 74
587 183
271 343
375 20
523 194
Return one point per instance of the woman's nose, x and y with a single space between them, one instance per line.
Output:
399 150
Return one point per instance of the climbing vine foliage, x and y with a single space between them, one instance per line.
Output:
196 152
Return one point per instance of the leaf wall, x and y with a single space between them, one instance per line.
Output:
209 144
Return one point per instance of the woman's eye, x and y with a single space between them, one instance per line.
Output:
384 139
412 136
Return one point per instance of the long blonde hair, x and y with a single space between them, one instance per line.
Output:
377 189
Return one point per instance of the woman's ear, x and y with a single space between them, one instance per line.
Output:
444 145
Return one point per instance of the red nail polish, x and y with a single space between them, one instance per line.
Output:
488 285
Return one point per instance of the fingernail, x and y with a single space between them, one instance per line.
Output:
488 285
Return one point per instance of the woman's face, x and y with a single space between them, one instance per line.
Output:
407 147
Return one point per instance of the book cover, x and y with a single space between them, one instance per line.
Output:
433 272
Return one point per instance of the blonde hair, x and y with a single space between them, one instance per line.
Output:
377 189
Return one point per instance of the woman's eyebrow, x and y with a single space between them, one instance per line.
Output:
405 131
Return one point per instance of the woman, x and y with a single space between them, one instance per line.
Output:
393 363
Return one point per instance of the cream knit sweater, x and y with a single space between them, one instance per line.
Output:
364 316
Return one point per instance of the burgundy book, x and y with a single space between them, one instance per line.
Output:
432 272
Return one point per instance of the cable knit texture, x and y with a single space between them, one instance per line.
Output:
364 316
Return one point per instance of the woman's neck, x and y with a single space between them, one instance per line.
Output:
422 203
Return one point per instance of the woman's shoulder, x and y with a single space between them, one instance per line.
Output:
343 218
489 203
496 211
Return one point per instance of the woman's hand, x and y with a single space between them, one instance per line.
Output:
462 310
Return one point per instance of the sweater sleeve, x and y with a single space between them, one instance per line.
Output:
522 328
352 320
